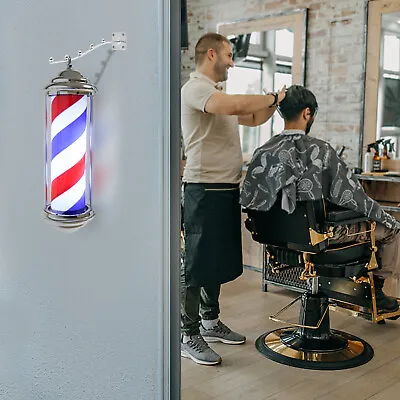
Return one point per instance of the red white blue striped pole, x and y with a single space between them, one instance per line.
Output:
68 152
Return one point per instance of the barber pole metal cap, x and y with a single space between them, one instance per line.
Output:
68 155
69 81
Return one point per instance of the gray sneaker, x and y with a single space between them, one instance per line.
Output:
199 351
221 333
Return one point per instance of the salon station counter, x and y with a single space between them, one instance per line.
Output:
384 188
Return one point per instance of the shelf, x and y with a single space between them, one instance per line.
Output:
379 178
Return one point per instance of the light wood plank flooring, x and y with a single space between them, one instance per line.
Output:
246 374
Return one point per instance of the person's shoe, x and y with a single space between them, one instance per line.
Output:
383 302
199 351
221 333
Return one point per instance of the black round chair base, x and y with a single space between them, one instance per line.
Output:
356 352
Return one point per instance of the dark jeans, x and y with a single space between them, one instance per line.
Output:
196 301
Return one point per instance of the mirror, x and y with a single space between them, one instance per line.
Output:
382 85
271 54
275 56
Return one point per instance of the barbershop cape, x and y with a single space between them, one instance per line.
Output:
305 168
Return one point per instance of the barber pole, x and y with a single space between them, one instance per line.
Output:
68 154
68 149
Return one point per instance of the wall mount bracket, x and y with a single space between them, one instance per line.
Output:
118 42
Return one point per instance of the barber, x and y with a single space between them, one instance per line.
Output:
212 214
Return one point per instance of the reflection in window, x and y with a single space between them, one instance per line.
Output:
284 43
388 117
268 65
255 38
246 81
280 79
391 101
391 53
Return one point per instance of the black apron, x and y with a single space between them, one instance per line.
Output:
213 239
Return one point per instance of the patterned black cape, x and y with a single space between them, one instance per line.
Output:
305 168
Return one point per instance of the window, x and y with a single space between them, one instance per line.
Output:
388 119
389 97
255 38
391 53
268 65
283 74
244 80
280 79
284 43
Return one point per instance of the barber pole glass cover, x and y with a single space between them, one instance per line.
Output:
68 149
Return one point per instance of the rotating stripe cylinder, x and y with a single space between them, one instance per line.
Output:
68 149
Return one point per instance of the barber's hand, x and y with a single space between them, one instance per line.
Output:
281 94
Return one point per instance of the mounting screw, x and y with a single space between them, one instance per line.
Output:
79 53
91 47
51 59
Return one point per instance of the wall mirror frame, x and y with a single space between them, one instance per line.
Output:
296 22
377 9
277 57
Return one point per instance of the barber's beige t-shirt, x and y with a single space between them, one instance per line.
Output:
212 143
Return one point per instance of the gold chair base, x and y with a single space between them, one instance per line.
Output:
340 351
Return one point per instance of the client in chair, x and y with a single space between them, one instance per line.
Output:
305 168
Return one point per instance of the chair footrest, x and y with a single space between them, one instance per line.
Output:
347 291
341 271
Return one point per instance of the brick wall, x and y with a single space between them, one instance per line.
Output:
334 58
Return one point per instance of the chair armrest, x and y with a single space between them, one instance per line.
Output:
344 217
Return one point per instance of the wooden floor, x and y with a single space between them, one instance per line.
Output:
246 374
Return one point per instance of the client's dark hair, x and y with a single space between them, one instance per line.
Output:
296 100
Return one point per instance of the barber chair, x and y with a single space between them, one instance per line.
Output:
301 241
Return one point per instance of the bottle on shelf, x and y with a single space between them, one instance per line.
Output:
392 152
368 158
376 159
385 155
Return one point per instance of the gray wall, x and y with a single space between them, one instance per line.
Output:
82 315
